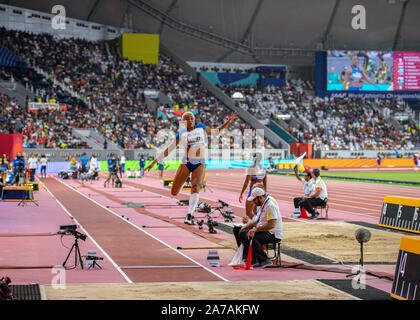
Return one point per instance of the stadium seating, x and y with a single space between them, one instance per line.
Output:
113 85
112 88
332 124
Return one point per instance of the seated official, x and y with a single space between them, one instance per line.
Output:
318 198
238 227
265 227
308 189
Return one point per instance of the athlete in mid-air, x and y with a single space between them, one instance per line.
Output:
193 139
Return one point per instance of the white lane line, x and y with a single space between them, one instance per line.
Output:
150 235
90 237
203 196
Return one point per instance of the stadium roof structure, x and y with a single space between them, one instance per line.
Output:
254 31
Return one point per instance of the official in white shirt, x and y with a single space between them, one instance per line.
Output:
318 198
265 227
32 161
308 189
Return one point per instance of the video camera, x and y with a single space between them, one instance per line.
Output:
204 208
210 223
71 230
114 168
228 215
224 204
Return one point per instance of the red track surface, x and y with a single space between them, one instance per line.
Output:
127 245
351 197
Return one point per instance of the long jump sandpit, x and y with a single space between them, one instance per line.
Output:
336 241
243 290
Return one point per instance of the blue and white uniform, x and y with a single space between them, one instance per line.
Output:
355 76
195 139
258 177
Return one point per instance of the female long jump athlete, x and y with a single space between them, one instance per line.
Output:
193 139
354 76
255 174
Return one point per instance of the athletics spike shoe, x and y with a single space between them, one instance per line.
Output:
263 264
314 216
189 219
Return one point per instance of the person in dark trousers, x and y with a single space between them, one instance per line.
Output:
265 227
112 168
238 227
83 167
307 190
318 198
43 161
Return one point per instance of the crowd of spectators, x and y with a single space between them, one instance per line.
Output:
113 87
332 123
41 129
117 109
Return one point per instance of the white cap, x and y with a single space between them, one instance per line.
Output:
256 193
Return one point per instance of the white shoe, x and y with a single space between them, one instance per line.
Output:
189 219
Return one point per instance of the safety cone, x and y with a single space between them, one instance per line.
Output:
303 214
248 260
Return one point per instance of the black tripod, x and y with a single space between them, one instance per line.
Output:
26 197
94 264
76 255
361 264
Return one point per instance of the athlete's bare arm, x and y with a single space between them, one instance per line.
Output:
217 131
164 154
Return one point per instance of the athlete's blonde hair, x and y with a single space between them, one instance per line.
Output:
188 112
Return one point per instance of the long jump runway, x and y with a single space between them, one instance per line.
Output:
140 256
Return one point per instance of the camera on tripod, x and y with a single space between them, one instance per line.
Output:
71 230
210 223
228 215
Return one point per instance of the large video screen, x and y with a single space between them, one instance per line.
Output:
373 71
